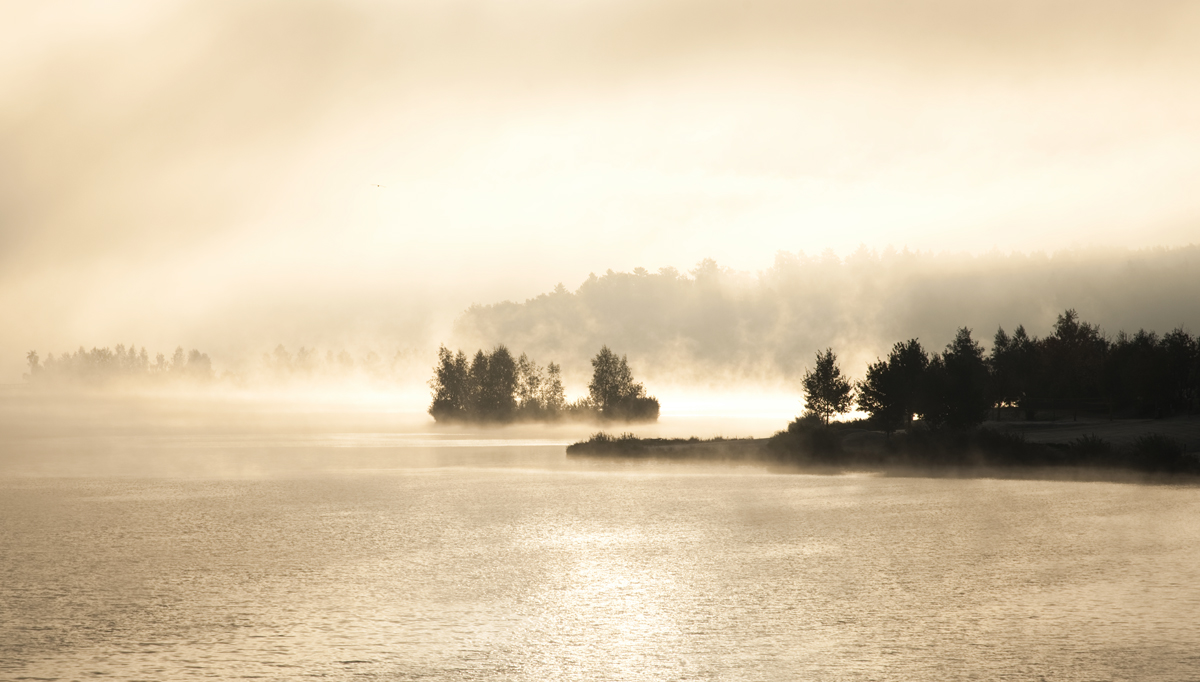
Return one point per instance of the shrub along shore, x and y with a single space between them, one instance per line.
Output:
993 449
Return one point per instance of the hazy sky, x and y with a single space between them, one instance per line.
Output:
230 174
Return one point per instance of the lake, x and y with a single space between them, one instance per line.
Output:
460 555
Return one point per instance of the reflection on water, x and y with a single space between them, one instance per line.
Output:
393 557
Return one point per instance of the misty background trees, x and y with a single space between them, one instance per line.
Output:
102 366
717 326
495 387
282 366
130 366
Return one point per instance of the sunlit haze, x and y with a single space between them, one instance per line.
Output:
621 340
230 176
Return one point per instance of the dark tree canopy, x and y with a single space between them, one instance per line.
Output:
495 387
894 389
957 384
1077 369
494 377
1014 365
451 386
1072 358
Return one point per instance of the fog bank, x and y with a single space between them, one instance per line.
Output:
716 327
351 174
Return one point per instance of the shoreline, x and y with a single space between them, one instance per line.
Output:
1025 450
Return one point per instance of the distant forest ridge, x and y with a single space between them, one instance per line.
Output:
715 325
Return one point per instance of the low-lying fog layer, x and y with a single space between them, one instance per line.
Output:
715 330
223 433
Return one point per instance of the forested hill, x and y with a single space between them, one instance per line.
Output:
714 324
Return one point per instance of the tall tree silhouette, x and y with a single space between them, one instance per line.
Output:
496 399
956 384
826 392
614 392
31 358
1014 363
893 390
1072 359
451 386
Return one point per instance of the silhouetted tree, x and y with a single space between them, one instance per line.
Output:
553 397
199 366
1182 359
497 380
893 390
826 392
31 358
1148 376
529 386
956 384
1072 363
1014 364
611 379
178 360
614 392
450 384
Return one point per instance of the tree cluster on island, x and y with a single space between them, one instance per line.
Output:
495 387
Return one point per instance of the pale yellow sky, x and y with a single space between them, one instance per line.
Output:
230 174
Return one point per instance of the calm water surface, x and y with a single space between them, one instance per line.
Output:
348 558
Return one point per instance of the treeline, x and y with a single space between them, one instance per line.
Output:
1075 370
105 365
133 365
496 387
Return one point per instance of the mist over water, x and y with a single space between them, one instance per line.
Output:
296 204
502 559
190 534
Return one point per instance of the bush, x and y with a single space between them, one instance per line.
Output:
601 442
806 438
1090 449
1156 452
